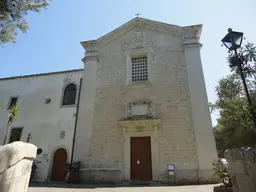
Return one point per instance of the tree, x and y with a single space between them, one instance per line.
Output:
12 19
13 113
234 127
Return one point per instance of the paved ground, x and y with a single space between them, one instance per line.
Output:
195 188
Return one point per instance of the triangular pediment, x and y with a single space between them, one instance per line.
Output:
194 30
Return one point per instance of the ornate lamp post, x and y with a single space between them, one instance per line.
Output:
233 41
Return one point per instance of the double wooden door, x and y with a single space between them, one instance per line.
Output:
141 162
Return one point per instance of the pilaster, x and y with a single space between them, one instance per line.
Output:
86 108
203 131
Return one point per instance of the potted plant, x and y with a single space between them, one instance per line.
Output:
33 169
220 168
73 169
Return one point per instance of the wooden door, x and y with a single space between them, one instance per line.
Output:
59 169
141 163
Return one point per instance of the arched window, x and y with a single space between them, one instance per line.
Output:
69 96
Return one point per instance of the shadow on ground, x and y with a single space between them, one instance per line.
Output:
88 186
94 186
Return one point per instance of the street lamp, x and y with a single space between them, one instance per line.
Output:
233 41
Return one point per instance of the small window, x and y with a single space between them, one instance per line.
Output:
139 69
15 134
69 97
13 102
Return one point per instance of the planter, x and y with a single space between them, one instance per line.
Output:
74 179
222 189
73 171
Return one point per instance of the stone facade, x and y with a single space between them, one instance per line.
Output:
242 168
180 128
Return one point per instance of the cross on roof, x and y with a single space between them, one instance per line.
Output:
137 14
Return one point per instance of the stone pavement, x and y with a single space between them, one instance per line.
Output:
192 188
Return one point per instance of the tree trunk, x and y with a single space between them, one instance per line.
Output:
6 134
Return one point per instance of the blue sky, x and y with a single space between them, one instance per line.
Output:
53 41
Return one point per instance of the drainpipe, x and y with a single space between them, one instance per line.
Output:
29 137
74 134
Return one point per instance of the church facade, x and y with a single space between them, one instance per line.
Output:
140 108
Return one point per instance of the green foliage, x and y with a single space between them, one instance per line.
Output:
74 167
247 56
234 128
221 171
12 13
13 113
34 169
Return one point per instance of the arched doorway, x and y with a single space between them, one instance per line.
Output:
59 165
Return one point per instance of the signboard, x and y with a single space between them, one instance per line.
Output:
171 173
170 167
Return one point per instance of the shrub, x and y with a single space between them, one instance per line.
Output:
221 170
33 169
74 167
74 171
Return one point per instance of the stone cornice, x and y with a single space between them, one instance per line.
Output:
145 23
90 58
140 22
90 45
193 44
92 50
193 31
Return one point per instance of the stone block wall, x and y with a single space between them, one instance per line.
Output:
168 92
181 137
242 168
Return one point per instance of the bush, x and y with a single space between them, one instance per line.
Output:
74 167
33 169
221 170
74 171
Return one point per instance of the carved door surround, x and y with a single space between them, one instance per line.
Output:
149 113
140 128
139 125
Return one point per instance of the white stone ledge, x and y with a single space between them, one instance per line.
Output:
12 153
15 166
101 169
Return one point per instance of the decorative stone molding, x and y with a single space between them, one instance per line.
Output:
190 40
129 107
101 167
192 45
140 125
189 37
92 50
91 55
139 128
137 39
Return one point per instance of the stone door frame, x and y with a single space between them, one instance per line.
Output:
140 128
